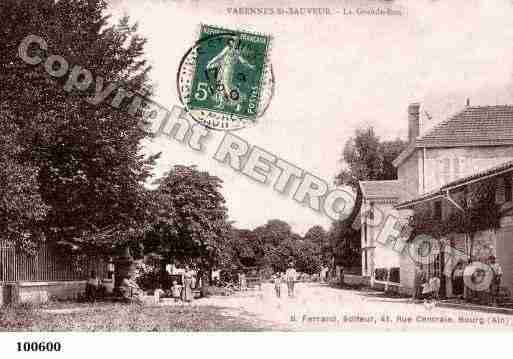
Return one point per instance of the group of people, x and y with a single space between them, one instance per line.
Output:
289 277
180 293
130 290
428 287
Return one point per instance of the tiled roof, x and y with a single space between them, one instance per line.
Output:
493 171
473 126
380 189
482 125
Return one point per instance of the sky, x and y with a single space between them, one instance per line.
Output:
333 74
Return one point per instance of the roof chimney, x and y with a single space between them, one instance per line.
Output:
413 121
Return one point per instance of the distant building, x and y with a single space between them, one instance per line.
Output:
379 200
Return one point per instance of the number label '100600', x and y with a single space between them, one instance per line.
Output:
39 346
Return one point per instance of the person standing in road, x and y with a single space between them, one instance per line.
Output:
188 281
277 284
290 277
496 280
420 279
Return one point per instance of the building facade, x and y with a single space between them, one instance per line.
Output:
378 201
438 167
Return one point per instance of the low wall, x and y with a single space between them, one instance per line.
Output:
392 287
406 290
41 292
352 279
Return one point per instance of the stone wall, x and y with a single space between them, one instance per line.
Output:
392 287
408 173
352 279
41 292
407 273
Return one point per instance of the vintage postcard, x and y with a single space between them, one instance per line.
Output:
285 166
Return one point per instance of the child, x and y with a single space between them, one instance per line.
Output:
291 278
277 284
92 287
175 291
156 295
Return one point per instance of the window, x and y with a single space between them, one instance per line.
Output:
449 169
437 211
365 233
507 189
446 170
365 261
456 168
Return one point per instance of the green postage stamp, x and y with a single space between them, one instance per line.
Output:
230 78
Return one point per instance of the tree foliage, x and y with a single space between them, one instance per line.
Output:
274 245
480 212
190 218
344 244
368 158
89 170
21 206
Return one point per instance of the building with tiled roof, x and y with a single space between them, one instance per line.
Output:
437 168
474 139
380 190
378 201
473 126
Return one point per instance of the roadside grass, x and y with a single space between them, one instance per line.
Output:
101 316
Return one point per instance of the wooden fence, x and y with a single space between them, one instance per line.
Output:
46 265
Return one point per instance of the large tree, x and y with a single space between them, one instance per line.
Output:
88 157
191 218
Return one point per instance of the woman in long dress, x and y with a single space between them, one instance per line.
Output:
188 280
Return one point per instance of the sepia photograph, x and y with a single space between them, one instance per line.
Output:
177 166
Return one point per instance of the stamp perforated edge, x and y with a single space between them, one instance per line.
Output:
266 67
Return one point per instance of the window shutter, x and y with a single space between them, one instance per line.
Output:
440 173
446 165
500 191
463 167
456 168
508 184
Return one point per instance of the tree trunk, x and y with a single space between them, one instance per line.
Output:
198 277
123 267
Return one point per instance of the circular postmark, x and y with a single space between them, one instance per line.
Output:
225 80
